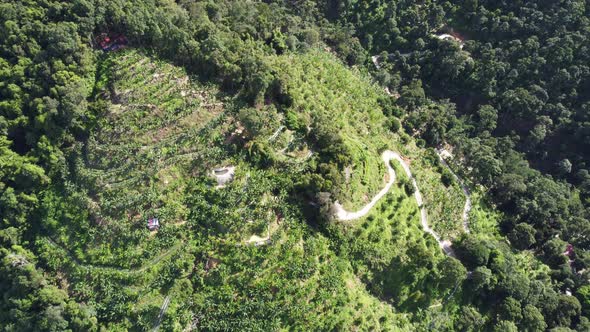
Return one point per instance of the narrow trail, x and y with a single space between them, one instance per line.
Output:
467 208
276 134
387 156
161 314
143 268
344 215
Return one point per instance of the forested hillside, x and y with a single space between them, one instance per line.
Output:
294 165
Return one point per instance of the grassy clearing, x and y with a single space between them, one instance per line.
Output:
483 219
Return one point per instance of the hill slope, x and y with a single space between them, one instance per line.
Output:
186 165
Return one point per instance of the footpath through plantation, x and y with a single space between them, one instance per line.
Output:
387 156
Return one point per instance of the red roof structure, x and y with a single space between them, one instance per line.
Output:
109 43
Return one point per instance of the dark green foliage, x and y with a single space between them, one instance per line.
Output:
394 124
469 320
487 118
553 252
532 320
259 122
452 272
482 279
568 309
583 325
412 96
510 310
447 178
33 303
408 187
473 251
522 236
516 83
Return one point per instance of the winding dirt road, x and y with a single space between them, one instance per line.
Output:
387 156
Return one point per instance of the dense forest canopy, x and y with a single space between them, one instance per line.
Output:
193 165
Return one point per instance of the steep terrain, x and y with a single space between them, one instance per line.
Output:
151 153
244 166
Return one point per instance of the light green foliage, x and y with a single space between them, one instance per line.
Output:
151 154
583 295
284 285
392 253
346 121
483 219
444 203
347 124
505 326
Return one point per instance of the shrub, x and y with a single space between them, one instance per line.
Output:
446 177
394 125
522 236
473 251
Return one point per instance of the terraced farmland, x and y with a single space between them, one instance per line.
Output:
159 129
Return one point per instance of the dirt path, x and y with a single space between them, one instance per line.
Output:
276 134
344 215
161 314
387 156
467 208
147 265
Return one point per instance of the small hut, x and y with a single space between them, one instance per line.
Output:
223 175
108 42
153 224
